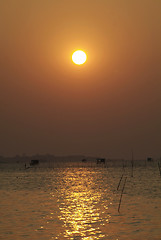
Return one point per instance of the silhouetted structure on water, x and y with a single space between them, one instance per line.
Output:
101 160
34 162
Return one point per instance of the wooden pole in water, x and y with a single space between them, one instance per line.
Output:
132 164
121 195
120 182
123 166
159 168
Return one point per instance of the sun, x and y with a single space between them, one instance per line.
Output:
79 57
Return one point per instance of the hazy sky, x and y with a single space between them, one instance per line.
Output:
108 106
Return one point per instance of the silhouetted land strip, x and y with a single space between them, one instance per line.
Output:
51 161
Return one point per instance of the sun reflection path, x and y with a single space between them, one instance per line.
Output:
79 206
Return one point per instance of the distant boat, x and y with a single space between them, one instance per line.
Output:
34 162
101 160
84 160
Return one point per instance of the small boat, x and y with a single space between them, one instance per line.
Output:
101 160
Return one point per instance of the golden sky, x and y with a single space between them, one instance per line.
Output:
105 107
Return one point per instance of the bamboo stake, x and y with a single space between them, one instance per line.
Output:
121 195
123 166
159 168
132 164
120 181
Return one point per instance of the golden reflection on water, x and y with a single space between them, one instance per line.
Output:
79 206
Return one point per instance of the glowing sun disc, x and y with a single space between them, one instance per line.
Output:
79 57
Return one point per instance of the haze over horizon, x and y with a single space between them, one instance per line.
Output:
108 106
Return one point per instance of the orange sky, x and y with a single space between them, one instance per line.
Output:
104 108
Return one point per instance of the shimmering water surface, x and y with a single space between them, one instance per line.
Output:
80 203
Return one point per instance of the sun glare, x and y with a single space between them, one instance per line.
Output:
79 57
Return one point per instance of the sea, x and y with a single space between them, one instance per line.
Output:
80 202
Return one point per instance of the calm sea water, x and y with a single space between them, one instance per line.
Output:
80 203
